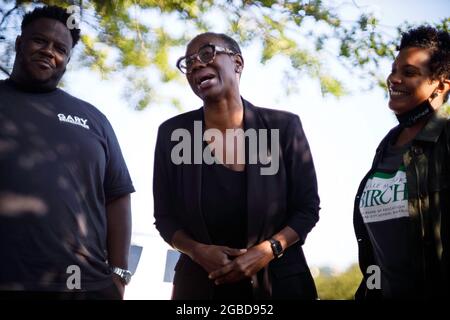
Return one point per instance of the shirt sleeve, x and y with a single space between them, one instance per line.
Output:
117 180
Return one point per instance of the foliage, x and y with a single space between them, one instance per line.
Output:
340 286
128 36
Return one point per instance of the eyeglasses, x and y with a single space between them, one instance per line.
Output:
205 55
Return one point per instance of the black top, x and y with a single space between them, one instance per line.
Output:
60 163
392 157
224 206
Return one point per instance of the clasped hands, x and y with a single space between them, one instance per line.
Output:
228 265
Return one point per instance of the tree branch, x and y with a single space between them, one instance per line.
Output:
4 71
7 14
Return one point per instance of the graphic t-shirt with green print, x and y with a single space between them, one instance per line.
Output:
384 209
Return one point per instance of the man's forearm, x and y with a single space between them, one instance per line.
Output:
118 214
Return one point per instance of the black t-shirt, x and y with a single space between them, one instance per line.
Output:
60 163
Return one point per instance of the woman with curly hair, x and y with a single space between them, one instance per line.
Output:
402 208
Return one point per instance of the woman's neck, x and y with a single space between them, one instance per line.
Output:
414 122
409 133
224 114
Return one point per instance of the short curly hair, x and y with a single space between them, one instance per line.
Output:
51 12
438 44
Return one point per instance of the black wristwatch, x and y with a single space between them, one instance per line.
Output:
277 248
124 275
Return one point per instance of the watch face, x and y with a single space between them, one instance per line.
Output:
277 249
127 277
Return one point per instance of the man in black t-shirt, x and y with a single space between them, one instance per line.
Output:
65 216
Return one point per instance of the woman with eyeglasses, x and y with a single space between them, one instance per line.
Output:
402 208
235 188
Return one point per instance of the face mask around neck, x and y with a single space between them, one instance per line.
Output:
421 111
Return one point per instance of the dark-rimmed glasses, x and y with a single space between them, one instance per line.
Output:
206 54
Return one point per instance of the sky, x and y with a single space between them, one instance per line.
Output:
343 135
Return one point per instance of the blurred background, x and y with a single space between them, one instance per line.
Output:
326 61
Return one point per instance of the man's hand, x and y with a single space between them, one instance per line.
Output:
119 284
212 257
245 265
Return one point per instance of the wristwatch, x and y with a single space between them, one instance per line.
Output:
125 275
277 248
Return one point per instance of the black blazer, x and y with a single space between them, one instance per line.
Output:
287 198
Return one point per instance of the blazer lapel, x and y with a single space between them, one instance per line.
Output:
192 180
256 184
